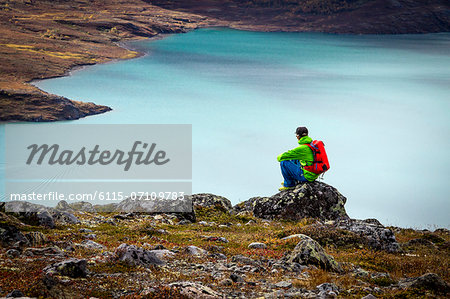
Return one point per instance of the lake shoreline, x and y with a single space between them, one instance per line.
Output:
82 40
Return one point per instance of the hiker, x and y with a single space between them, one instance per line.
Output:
292 162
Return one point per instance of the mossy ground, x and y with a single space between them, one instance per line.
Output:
108 277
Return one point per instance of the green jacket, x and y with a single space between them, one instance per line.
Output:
302 153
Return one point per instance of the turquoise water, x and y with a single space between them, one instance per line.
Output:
380 103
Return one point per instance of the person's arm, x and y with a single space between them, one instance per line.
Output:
293 154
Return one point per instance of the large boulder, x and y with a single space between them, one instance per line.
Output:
137 256
63 206
10 235
309 252
64 217
429 281
307 200
373 232
72 268
208 200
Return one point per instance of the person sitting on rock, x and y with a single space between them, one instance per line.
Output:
293 161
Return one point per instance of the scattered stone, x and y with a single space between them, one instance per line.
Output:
194 250
92 245
250 222
91 236
65 218
236 278
47 251
370 296
195 290
244 260
73 268
284 284
215 248
326 295
217 239
163 254
257 245
36 238
13 253
134 255
15 294
429 281
218 256
158 217
85 230
226 282
361 273
184 222
308 200
328 287
309 252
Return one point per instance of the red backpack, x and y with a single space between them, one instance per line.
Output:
320 164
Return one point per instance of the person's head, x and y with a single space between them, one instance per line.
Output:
301 132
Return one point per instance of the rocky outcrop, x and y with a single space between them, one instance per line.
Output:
373 232
38 106
208 200
308 200
30 213
309 252
10 235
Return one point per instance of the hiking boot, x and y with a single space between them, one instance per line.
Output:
285 188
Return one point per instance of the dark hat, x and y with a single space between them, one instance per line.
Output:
301 131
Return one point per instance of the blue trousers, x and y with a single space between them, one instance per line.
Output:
292 173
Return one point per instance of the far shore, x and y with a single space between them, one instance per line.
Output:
53 44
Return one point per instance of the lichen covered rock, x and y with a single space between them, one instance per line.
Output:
309 252
137 256
73 268
373 232
208 200
308 200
